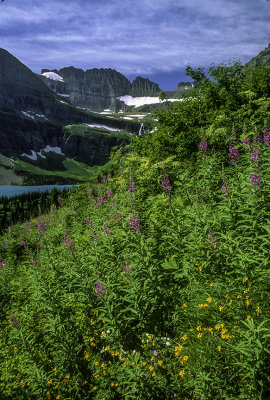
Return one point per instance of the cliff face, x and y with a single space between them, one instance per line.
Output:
144 87
262 58
32 116
97 89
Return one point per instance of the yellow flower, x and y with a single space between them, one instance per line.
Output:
248 317
199 328
58 397
182 373
184 337
258 311
107 348
116 353
199 335
209 299
184 305
221 308
200 305
153 374
178 348
211 284
217 327
191 330
160 362
112 384
94 388
219 348
92 322
248 302
49 382
86 355
230 302
239 296
245 279
226 296
151 368
96 363
185 358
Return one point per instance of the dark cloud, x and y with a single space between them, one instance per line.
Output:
145 37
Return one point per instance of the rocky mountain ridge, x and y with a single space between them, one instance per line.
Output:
262 58
97 89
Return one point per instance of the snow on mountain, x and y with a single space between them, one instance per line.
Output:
140 101
109 128
47 149
53 76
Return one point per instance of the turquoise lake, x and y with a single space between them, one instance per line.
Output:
13 190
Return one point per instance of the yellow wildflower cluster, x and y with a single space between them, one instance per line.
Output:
203 305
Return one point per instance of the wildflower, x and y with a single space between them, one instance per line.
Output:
185 358
184 337
109 193
160 362
245 279
245 142
131 186
69 244
234 155
128 270
239 296
101 289
248 317
86 355
151 368
32 261
184 305
255 157
266 138
155 353
248 302
255 180
87 221
258 311
219 348
134 224
209 299
165 183
49 382
203 147
225 189
178 348
42 227
199 335
100 201
211 284
14 322
221 308
182 373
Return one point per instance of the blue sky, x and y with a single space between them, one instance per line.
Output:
155 39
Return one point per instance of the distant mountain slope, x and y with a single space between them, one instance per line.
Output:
262 58
32 117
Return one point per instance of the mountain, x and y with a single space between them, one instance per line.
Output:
96 89
262 58
33 117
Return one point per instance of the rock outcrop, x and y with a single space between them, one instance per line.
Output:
141 87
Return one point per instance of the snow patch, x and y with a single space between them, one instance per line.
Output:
109 128
47 149
53 76
140 101
32 115
63 95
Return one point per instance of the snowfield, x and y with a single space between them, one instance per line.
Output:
109 128
140 101
53 76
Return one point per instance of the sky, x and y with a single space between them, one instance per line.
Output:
155 39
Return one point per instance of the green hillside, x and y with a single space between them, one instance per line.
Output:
153 281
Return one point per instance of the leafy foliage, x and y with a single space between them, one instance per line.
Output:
153 282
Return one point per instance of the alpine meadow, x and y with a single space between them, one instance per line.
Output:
152 281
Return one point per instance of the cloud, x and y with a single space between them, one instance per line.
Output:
142 36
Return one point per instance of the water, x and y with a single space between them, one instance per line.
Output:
13 190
